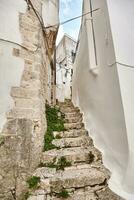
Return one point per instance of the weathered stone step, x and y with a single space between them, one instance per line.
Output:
78 195
73 142
73 119
73 115
107 194
71 133
90 193
77 125
74 155
72 177
65 104
69 110
87 193
77 178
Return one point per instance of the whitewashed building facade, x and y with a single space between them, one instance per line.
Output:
103 85
64 67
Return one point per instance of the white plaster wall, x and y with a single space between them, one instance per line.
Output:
122 15
9 15
64 55
60 89
50 12
11 67
106 97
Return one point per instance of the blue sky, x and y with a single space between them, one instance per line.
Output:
70 9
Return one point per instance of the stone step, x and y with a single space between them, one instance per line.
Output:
69 110
78 195
38 197
73 115
71 133
74 155
77 125
77 178
65 104
106 193
73 142
74 119
74 177
88 193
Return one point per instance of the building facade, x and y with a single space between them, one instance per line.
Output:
105 94
64 67
26 83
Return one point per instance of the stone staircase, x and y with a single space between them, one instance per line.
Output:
85 178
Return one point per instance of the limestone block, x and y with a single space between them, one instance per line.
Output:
73 142
38 197
106 194
24 93
77 178
71 133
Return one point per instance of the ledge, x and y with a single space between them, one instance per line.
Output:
94 70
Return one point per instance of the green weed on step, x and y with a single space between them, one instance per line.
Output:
55 122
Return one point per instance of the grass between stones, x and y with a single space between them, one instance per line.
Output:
59 165
91 157
62 163
33 182
55 122
27 195
63 194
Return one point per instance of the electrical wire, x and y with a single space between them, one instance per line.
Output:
74 18
123 64
27 49
80 16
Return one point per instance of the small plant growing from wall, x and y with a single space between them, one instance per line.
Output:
63 194
33 182
55 122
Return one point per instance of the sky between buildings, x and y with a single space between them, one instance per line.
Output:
69 9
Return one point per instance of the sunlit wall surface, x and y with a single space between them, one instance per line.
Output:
103 86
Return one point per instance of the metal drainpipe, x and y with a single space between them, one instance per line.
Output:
93 32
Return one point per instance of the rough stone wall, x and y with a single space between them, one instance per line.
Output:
21 140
